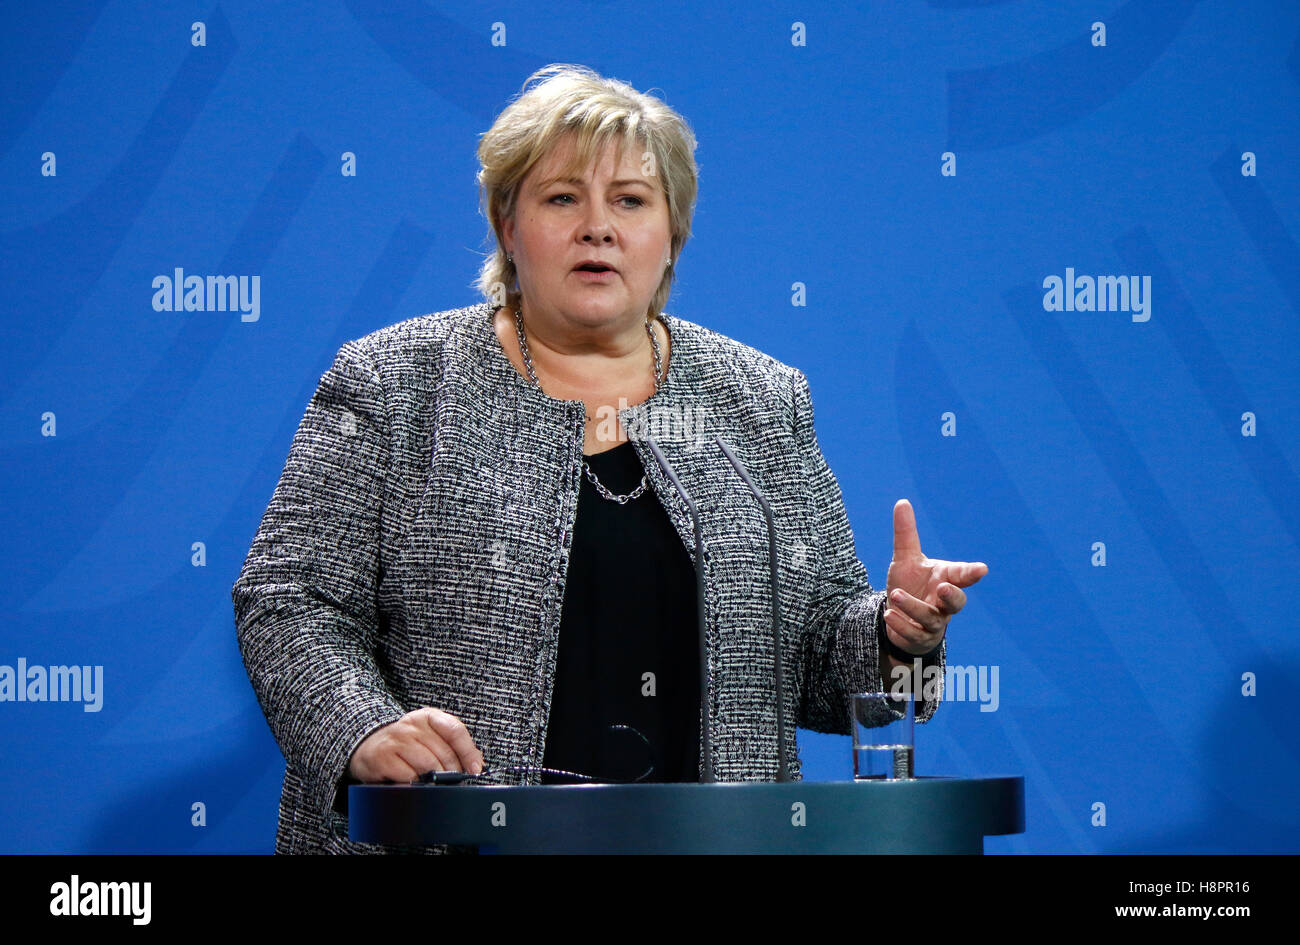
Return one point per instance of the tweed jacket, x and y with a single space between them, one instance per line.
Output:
415 550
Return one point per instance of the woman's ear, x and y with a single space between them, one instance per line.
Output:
508 233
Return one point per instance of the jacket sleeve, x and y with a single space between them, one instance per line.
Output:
840 650
305 601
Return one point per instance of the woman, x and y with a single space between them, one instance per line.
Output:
469 562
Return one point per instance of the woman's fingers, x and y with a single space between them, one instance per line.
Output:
953 597
926 618
399 769
452 732
431 752
906 629
426 739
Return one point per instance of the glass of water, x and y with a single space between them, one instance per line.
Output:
882 724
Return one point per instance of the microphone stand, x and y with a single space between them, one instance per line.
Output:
706 714
782 771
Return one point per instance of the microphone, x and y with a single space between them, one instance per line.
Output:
706 715
783 754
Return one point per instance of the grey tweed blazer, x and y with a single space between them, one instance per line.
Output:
414 554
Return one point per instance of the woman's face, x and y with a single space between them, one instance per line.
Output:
612 213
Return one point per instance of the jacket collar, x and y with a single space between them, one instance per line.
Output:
500 373
679 394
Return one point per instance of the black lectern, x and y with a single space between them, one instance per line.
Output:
926 815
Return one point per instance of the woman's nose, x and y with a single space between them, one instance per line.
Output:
595 224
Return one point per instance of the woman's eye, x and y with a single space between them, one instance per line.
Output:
636 201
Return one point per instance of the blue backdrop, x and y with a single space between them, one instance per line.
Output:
887 192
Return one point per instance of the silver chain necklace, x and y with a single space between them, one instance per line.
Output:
532 374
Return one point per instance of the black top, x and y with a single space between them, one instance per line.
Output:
629 642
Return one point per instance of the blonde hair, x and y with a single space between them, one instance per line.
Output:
573 99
